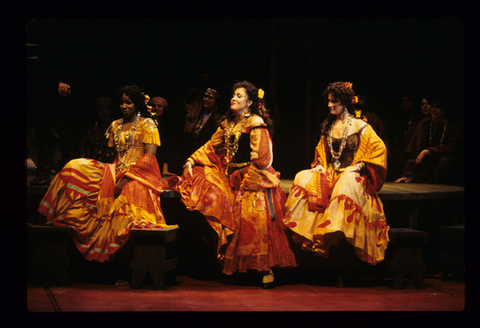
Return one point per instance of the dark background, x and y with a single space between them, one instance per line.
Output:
292 59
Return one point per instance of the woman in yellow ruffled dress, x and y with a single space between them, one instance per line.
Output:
231 181
337 198
102 201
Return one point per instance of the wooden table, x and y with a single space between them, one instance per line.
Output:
419 191
413 192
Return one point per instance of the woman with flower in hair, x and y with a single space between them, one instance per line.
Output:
337 198
102 202
231 181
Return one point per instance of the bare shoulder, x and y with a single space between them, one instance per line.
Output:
255 120
358 125
147 120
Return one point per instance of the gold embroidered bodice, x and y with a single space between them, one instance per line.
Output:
131 143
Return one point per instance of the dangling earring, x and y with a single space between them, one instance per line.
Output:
345 113
247 114
138 113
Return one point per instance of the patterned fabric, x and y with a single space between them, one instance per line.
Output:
246 208
347 206
82 196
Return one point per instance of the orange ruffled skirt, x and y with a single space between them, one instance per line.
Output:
81 196
252 235
350 213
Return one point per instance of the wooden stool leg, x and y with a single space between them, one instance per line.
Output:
157 267
140 264
151 248
399 268
149 259
408 260
417 268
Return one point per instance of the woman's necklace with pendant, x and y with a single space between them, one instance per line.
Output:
232 145
122 150
336 155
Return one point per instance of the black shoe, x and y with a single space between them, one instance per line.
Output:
41 180
268 285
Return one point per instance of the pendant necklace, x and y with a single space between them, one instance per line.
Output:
232 145
122 150
336 155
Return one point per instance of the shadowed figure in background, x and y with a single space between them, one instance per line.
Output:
435 153
54 52
94 144
168 155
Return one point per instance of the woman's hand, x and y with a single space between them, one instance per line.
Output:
421 156
187 172
317 169
187 169
404 180
63 89
355 168
30 164
119 186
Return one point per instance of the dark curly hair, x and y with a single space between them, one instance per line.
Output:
135 94
341 93
252 93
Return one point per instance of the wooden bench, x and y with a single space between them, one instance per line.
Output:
154 253
47 254
34 197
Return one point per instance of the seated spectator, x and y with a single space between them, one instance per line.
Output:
31 153
168 155
406 122
207 123
435 152
94 143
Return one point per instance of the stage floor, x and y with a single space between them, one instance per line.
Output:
234 295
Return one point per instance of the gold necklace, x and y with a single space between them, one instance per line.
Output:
232 145
123 149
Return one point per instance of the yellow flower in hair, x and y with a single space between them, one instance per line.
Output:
349 85
147 99
354 100
261 93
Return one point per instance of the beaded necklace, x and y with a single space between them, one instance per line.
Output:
336 155
122 150
443 132
232 145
